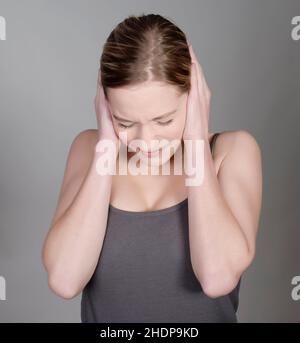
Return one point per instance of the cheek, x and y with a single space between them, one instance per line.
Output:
125 136
120 132
173 133
178 127
182 123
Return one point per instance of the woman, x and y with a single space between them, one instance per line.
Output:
152 248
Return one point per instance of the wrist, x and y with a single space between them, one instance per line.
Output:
191 141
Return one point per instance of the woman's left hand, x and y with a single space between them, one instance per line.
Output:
198 103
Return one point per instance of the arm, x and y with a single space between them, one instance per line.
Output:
74 241
224 214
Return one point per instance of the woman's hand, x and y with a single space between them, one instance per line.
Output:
104 121
198 104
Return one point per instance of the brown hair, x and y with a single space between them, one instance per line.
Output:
146 47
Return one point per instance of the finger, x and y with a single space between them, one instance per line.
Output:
194 93
203 89
201 78
100 91
195 60
198 69
99 81
194 81
102 99
97 85
204 83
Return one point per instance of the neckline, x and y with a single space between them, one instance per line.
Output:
152 212
162 210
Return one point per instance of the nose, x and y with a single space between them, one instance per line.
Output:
149 141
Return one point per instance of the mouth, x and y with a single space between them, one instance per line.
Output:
151 153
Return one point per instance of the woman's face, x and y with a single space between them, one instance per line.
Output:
152 112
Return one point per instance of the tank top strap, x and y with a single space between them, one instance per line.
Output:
212 142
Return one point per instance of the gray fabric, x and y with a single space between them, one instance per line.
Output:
144 273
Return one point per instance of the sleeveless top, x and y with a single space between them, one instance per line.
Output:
144 273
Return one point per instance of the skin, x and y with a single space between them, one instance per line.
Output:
138 116
223 211
140 124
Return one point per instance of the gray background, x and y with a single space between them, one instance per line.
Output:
48 72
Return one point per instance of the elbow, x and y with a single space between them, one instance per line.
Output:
64 289
216 283
60 285
216 287
57 281
221 283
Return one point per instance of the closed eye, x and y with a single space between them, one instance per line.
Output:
124 126
166 122
159 123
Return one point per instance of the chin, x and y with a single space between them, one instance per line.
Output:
154 161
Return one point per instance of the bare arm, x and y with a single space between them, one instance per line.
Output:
224 214
74 241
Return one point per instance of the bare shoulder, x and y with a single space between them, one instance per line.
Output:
85 139
80 155
236 142
82 148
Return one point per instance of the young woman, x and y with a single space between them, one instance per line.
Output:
149 248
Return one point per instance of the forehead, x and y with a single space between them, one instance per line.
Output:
147 99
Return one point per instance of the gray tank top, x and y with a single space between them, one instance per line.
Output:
144 273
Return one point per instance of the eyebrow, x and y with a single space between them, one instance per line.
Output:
156 118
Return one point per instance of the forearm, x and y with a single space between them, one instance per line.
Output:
218 246
75 241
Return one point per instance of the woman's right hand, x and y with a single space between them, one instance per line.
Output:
104 119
